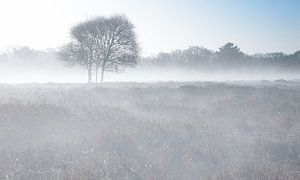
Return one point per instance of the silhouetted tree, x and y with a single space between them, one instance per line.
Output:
196 56
80 51
102 43
229 55
116 43
229 50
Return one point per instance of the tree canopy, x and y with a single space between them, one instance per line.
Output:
102 43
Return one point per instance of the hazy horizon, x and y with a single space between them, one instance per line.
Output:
256 26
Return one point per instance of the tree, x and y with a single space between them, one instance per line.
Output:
196 56
102 43
80 51
116 44
230 54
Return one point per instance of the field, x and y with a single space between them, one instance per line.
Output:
191 130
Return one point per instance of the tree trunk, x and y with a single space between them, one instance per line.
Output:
96 74
102 73
89 75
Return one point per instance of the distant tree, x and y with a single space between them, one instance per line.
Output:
291 61
165 59
23 52
26 55
176 58
102 43
230 54
193 57
276 55
295 57
196 56
228 57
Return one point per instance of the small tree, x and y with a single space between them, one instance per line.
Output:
229 51
230 55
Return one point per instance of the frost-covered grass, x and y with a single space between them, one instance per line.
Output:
195 130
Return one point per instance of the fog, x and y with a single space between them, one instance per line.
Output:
160 90
55 71
185 75
64 75
147 121
229 63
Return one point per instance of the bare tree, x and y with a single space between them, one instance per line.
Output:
81 50
102 43
116 44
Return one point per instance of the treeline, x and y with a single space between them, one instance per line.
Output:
228 57
25 54
27 58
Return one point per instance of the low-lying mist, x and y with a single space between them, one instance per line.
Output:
56 72
25 65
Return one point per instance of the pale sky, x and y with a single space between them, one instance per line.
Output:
161 25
